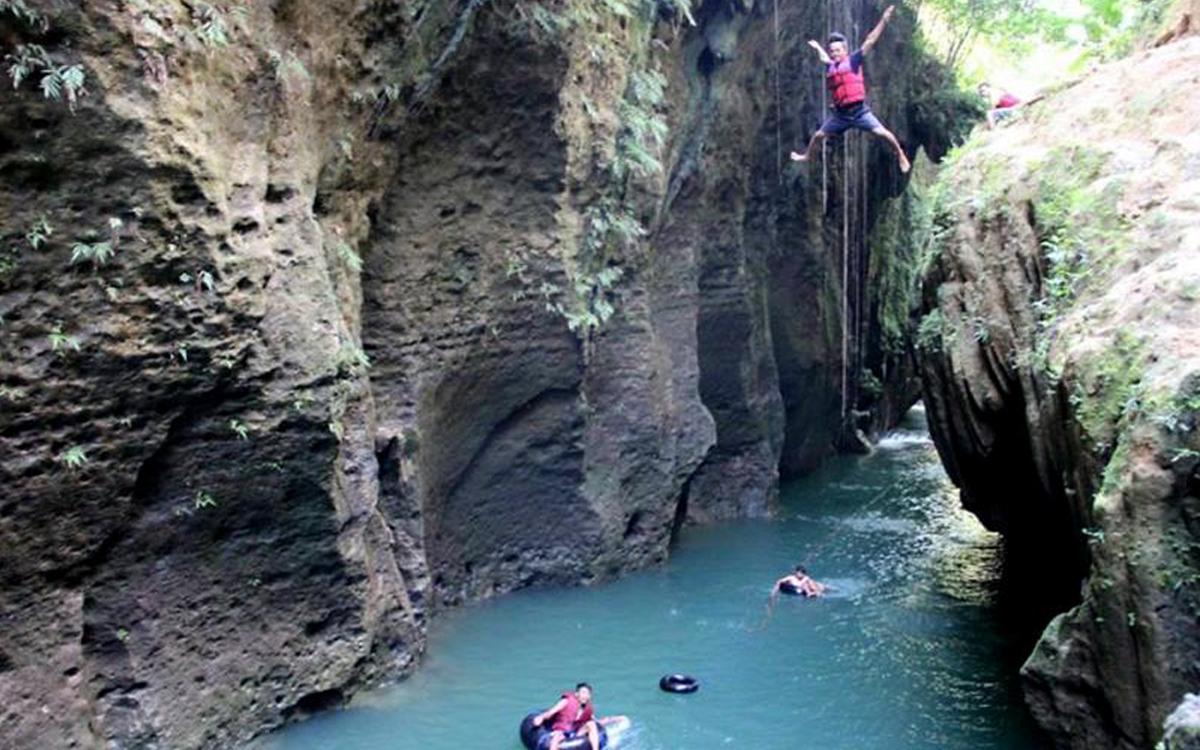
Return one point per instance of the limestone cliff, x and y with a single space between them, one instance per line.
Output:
318 316
1059 349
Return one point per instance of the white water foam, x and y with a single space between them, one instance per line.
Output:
902 439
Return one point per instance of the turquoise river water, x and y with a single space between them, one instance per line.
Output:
908 652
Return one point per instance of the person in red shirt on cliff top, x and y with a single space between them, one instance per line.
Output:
844 77
1000 107
572 717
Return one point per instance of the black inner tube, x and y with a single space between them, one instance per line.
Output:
538 738
678 683
790 589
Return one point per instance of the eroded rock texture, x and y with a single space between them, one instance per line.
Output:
1059 354
325 383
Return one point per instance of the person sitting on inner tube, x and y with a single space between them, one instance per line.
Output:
800 582
573 717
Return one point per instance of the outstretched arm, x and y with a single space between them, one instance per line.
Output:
820 51
877 32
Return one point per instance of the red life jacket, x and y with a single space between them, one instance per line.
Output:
569 719
846 85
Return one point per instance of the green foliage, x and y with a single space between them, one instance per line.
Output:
73 458
944 112
351 361
287 65
21 10
97 253
644 131
1110 29
592 293
60 341
347 255
39 233
212 23
240 429
56 81
901 242
980 330
1078 226
930 331
1109 388
1099 29
1094 536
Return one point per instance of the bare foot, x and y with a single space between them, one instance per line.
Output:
905 165
799 157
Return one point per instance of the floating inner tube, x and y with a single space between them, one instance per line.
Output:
790 589
538 738
679 683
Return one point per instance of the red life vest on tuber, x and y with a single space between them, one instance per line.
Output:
846 85
569 719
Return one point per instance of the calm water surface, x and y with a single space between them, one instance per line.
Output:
909 652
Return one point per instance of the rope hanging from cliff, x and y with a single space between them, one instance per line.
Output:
778 104
845 274
824 141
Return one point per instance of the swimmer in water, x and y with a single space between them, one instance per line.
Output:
799 582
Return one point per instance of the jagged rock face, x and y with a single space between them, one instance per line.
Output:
217 516
1059 354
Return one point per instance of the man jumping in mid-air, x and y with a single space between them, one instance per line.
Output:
844 76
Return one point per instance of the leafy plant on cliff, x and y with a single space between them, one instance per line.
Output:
240 429
22 12
285 65
73 458
57 81
37 234
351 361
347 255
98 253
1108 387
60 341
212 23
930 331
644 130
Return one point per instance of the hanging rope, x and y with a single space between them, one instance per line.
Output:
864 254
845 273
778 104
824 141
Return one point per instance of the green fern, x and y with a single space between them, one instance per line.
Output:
21 10
73 458
57 81
60 341
98 253
39 233
239 427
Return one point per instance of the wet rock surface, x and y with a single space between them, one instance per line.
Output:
325 384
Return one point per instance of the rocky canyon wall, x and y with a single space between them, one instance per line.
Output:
1058 348
317 317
